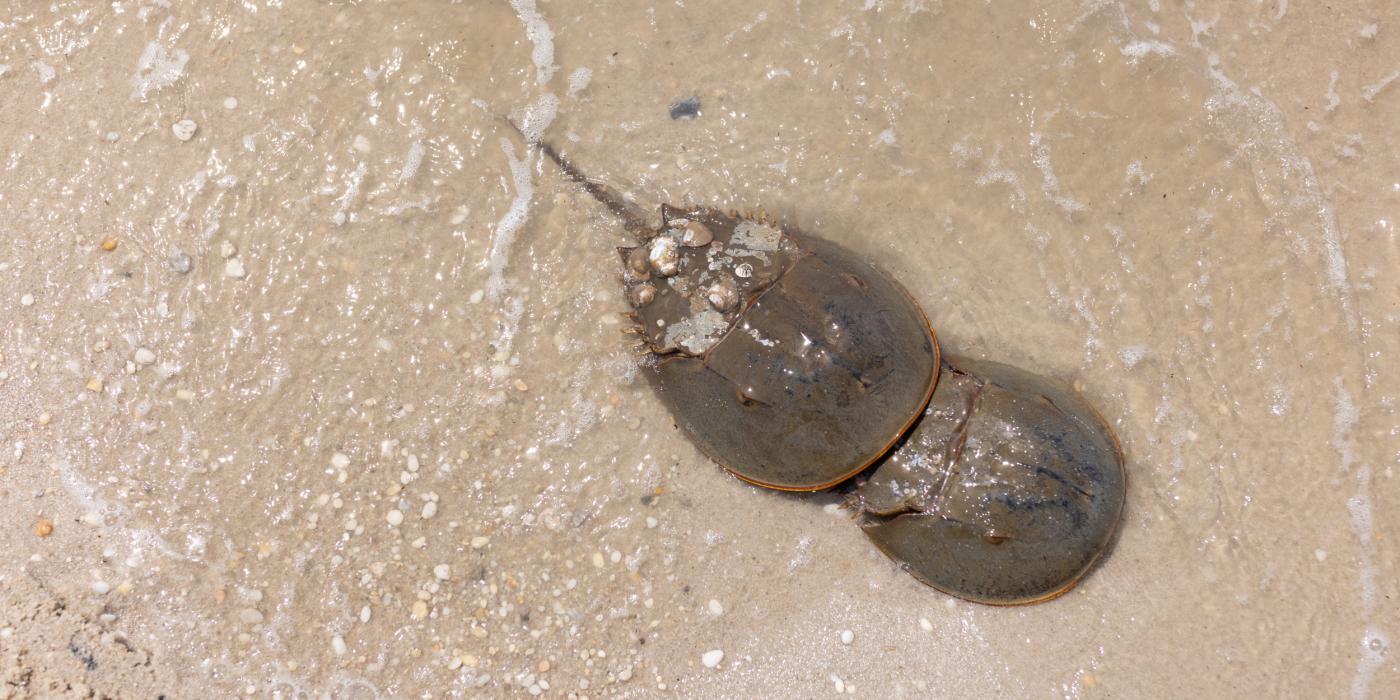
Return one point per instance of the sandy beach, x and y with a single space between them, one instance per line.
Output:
313 384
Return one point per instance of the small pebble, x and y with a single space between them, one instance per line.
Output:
847 636
230 102
480 541
651 521
338 644
94 385
181 263
442 572
716 608
339 460
144 356
100 587
688 108
227 249
26 300
836 681
364 614
925 625
250 616
395 517
712 658
43 527
44 418
420 609
109 243
234 268
184 129
429 509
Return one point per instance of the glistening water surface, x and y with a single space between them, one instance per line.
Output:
311 378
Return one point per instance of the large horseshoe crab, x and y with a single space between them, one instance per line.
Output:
796 365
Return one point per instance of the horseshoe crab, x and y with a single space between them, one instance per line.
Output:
757 332
796 365
1005 493
788 360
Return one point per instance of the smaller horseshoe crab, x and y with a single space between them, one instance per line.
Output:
1005 493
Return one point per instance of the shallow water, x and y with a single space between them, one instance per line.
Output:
393 307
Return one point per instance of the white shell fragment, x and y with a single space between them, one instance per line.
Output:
184 129
712 658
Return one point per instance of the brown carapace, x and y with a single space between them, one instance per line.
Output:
797 365
790 362
1006 492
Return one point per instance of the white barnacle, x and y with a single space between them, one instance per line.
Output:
665 256
638 267
642 294
722 295
696 235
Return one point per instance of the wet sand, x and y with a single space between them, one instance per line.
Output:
311 378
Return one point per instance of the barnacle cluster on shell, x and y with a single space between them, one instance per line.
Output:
688 282
662 258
